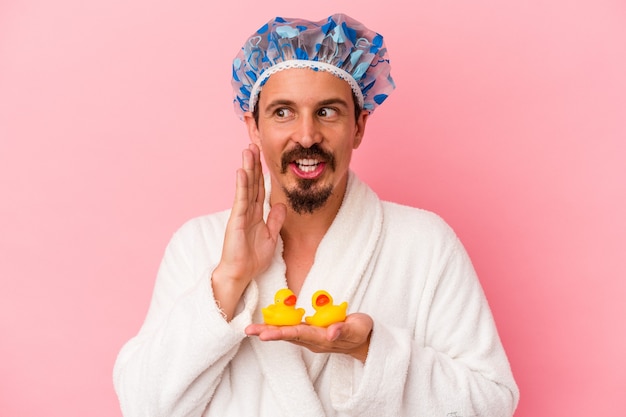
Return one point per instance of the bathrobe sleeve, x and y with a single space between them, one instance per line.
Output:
451 363
173 365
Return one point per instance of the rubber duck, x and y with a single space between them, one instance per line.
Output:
325 312
283 312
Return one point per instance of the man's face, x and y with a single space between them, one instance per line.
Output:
307 130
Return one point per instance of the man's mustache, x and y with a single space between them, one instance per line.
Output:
300 152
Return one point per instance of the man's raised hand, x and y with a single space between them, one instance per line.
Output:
249 241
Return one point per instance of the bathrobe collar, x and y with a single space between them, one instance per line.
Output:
341 267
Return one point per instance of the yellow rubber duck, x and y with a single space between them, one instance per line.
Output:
283 312
325 312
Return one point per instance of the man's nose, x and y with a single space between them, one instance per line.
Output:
308 132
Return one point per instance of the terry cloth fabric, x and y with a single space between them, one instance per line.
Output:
342 275
434 348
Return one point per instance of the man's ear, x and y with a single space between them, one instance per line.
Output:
360 128
253 130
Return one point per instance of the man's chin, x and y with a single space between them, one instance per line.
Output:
306 200
305 185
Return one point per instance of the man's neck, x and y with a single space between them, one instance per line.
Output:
302 234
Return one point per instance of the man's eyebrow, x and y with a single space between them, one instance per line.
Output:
334 100
326 102
279 102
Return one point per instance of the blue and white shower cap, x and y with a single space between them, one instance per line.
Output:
338 44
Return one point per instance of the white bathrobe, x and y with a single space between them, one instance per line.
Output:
434 350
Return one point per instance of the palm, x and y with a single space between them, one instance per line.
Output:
250 243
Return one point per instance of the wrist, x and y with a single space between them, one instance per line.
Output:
227 292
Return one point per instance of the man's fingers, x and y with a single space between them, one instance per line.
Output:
350 337
249 181
258 192
302 334
240 204
247 162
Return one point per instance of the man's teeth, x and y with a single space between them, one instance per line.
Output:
307 165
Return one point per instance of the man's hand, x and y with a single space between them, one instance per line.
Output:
249 242
351 336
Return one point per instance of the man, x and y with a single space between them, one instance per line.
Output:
419 339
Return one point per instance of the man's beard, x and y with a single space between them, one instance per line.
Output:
304 198
307 201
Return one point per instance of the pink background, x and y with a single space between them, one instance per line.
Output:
116 126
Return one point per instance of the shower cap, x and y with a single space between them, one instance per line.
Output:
339 44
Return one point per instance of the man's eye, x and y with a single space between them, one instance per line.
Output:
282 112
327 112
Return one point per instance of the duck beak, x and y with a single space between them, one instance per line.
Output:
321 300
290 301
